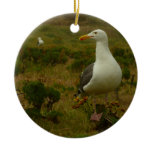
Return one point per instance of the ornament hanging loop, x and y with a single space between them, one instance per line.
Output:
76 10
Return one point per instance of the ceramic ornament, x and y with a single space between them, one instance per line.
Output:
75 84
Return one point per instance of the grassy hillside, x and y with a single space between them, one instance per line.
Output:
52 72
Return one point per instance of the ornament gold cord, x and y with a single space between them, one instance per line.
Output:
76 10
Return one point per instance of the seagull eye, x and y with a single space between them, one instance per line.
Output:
95 32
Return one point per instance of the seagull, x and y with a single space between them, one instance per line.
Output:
39 41
105 74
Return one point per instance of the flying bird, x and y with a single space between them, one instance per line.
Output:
39 41
102 76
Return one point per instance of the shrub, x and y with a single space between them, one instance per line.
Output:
34 92
59 86
130 55
33 67
41 97
64 52
124 57
56 49
53 94
51 56
46 59
53 116
54 56
83 54
33 113
118 52
123 61
36 54
130 58
78 65
19 67
82 59
77 54
24 54
31 54
89 52
58 40
126 73
64 59
67 51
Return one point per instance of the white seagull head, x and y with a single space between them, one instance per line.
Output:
98 35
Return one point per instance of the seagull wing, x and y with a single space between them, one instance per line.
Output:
86 76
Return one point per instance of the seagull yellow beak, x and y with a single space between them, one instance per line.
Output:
84 37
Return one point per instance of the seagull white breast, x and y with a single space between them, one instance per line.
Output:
107 73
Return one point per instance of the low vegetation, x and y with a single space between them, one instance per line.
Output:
47 78
42 99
